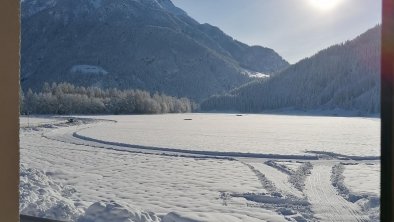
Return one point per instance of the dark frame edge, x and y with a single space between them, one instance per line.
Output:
27 218
387 111
9 112
9 66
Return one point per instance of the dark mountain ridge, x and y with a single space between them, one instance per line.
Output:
141 44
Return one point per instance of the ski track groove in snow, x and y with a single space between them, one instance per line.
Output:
265 183
326 202
276 178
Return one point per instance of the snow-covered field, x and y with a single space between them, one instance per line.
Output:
275 134
139 168
362 178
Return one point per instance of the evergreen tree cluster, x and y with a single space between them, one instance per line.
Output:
65 98
344 76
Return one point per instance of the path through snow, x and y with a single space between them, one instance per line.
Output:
327 204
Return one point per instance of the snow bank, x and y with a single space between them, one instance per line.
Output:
114 212
206 217
43 197
40 196
370 205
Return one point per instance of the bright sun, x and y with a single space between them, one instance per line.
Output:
325 4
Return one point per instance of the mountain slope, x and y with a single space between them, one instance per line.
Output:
145 44
344 76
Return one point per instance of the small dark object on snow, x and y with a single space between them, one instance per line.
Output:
187 119
239 115
71 120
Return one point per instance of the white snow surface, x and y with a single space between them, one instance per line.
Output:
269 134
363 178
292 165
112 211
161 184
34 121
279 179
326 202
69 178
207 217
42 197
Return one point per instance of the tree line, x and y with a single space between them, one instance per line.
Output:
65 98
344 76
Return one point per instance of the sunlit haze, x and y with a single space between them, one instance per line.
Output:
294 28
325 4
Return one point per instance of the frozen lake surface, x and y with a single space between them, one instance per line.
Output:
269 134
110 168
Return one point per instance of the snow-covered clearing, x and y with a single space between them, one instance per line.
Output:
269 134
363 178
93 181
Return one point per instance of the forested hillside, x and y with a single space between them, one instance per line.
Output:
345 76
65 98
134 44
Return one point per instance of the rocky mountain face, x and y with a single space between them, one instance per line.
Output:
345 77
134 44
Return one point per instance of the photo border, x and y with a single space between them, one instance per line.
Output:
9 118
9 114
387 112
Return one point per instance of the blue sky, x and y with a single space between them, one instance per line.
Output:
294 28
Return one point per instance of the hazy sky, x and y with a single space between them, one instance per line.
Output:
294 28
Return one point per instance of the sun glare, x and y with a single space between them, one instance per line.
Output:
325 4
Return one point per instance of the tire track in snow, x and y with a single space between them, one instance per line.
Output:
327 204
